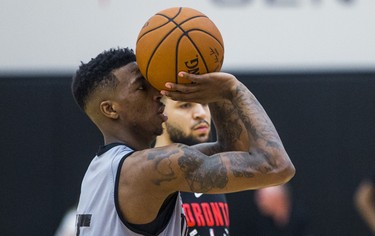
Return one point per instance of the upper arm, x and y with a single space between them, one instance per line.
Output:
176 167
146 179
161 169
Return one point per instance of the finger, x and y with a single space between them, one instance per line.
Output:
194 78
178 96
183 88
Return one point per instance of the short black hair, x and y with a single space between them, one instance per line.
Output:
98 71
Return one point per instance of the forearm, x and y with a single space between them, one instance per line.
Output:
227 172
262 135
230 130
259 127
240 117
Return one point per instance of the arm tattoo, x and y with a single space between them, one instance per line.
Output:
244 166
202 173
162 165
260 127
238 162
227 121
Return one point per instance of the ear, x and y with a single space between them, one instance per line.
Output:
108 110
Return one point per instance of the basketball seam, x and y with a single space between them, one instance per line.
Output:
156 48
161 41
171 19
185 33
212 36
145 33
168 18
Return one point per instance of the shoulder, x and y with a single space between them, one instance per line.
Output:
149 168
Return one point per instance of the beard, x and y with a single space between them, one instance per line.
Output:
177 136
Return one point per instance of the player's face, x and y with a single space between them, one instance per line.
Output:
138 103
188 123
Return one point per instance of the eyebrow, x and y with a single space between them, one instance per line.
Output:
139 79
138 74
135 69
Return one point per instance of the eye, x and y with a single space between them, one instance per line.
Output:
185 105
142 86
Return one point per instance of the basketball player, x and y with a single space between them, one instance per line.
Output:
133 189
190 123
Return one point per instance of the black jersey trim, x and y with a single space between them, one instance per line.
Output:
104 148
161 221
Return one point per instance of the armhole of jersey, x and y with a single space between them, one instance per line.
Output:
116 188
163 216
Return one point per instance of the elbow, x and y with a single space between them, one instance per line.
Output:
285 170
275 168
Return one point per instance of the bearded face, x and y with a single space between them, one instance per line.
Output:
198 133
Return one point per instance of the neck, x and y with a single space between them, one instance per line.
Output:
127 141
162 140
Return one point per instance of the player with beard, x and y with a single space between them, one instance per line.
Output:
190 123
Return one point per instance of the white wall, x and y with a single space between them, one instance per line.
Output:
259 35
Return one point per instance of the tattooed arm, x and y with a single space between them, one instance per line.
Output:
242 123
153 174
264 139
149 176
215 89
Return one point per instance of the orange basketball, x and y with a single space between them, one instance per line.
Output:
178 39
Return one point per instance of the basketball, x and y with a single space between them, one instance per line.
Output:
178 39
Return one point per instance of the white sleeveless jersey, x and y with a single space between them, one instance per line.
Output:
97 213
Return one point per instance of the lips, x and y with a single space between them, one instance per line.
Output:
161 108
202 125
164 117
199 127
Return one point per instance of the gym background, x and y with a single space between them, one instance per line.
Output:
310 63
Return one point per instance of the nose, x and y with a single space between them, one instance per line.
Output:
200 112
156 94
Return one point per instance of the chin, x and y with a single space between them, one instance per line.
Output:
202 140
159 132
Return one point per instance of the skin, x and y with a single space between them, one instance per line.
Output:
188 123
274 202
248 153
364 201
